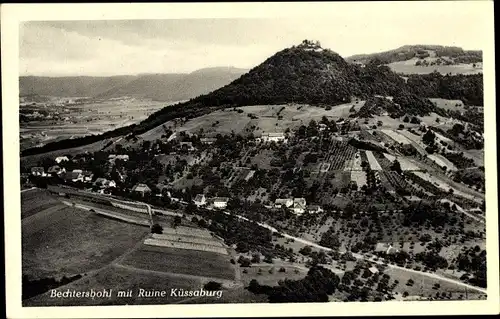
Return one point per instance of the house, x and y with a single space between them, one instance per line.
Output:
272 137
74 176
386 248
56 170
322 127
200 200
38 171
373 270
280 202
123 157
220 202
208 140
187 146
100 181
60 159
87 176
109 183
299 205
104 183
249 175
314 209
141 188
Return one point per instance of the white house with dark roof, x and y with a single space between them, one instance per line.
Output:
200 200
141 189
60 159
220 202
272 137
299 205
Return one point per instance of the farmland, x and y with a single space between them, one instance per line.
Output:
74 242
35 201
120 278
181 261
75 120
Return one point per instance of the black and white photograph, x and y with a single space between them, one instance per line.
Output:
338 156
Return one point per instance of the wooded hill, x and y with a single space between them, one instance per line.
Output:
305 74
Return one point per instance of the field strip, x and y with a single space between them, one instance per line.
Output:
190 239
358 256
123 217
399 138
374 165
225 282
442 161
185 245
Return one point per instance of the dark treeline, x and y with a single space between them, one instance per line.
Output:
31 288
315 287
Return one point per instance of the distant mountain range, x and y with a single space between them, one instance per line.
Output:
159 87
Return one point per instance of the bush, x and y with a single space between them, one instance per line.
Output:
212 286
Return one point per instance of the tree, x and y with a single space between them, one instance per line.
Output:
156 229
212 286
406 119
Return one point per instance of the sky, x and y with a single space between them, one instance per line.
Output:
116 47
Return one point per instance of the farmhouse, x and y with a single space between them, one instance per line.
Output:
104 183
60 159
208 140
373 270
287 202
38 171
141 189
188 146
273 137
220 202
56 170
200 200
299 205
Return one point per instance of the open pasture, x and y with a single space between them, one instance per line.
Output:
35 201
409 67
120 278
181 261
75 241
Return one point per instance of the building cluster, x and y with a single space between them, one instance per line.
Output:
215 202
297 205
267 137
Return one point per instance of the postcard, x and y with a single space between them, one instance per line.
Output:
249 159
